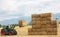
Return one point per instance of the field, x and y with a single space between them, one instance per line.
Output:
23 32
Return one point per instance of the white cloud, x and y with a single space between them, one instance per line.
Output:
11 5
24 8
8 17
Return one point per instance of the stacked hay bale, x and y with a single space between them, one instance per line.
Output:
22 23
42 24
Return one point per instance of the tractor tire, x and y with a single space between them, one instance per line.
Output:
10 33
2 32
14 32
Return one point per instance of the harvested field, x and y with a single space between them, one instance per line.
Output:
23 32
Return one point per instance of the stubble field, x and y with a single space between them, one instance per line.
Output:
23 32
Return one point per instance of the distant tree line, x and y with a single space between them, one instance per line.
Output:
29 23
0 25
12 25
59 22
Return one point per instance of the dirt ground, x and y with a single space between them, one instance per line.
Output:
23 32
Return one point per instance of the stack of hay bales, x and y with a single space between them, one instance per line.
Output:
42 24
22 23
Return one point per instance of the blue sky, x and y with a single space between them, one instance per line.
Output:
17 9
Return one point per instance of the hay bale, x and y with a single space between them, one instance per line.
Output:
42 19
46 15
42 15
51 33
42 24
37 33
22 23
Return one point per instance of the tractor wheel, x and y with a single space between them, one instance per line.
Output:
14 32
2 32
10 33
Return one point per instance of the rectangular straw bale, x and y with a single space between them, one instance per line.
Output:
51 29
46 19
35 15
36 26
46 15
38 30
51 33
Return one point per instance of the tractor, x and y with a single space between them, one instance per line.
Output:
8 31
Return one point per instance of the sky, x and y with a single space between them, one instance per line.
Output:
16 9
